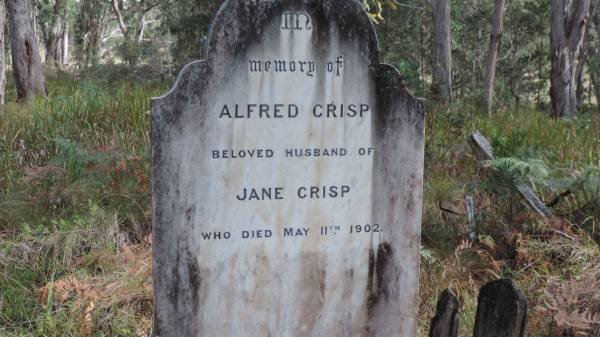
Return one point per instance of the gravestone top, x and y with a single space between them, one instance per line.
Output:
287 180
501 310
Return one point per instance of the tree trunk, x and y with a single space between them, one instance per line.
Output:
94 24
566 39
579 80
441 86
141 21
55 34
581 62
495 38
2 52
593 50
27 64
65 41
596 85
117 10
93 43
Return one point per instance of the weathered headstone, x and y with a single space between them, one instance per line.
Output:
484 151
287 180
501 310
445 321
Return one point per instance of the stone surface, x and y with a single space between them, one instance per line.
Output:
501 310
275 243
445 321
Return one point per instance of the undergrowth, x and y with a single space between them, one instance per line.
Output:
75 212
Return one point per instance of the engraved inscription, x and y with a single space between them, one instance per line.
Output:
295 21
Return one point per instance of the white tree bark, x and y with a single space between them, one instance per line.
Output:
65 42
492 60
569 19
119 15
2 52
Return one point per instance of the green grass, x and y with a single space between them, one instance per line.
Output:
58 153
75 208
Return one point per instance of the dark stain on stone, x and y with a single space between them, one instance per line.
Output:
174 289
322 284
188 213
194 279
377 285
371 272
156 324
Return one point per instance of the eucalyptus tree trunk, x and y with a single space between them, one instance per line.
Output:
92 45
580 70
53 43
441 86
2 52
141 21
595 86
593 49
27 64
568 19
65 41
492 60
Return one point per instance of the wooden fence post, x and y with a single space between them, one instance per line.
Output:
501 310
445 321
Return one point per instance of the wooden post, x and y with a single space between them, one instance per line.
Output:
501 310
445 321
471 218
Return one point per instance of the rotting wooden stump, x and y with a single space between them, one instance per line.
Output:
501 310
445 321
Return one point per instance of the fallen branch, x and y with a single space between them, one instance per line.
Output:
447 210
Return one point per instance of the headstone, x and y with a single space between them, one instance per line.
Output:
484 151
445 321
287 180
501 310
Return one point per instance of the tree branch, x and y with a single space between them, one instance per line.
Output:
151 7
122 26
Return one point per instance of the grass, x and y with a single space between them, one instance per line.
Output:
74 211
74 201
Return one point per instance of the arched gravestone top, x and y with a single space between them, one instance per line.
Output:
287 180
229 33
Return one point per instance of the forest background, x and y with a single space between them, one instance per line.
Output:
76 79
